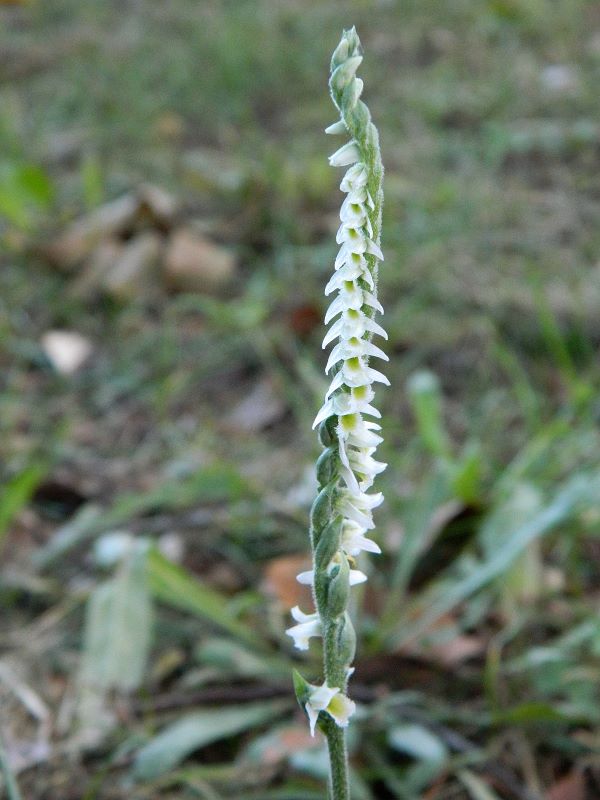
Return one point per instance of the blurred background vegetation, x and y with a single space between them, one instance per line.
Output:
167 220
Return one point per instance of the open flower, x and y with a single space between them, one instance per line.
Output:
308 625
331 700
354 540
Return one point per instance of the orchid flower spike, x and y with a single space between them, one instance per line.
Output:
342 514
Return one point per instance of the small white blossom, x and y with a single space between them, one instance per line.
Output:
331 700
308 625
353 323
352 347
354 540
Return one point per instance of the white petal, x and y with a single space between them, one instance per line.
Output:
374 249
321 696
374 327
336 383
306 578
370 300
313 716
336 127
356 176
347 154
356 577
300 616
334 309
341 708
325 412
302 632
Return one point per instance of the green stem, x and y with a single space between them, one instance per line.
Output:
339 785
335 675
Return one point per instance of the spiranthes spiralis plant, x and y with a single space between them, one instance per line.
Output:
342 514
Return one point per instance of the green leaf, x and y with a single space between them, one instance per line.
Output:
466 474
92 181
301 687
118 629
529 713
477 789
17 493
452 590
209 485
22 186
173 585
235 659
418 742
424 394
173 744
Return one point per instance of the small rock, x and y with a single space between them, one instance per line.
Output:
194 264
560 78
88 283
157 206
129 275
85 234
66 350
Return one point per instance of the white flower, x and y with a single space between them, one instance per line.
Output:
352 297
354 540
355 373
309 625
353 323
353 213
332 701
351 240
355 176
355 267
357 400
352 347
308 578
358 432
362 464
358 507
347 154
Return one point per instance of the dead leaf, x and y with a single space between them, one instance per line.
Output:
157 206
129 276
195 264
78 241
88 283
571 787
279 580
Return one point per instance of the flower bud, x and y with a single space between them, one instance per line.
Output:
339 588
320 513
340 54
347 641
327 466
329 544
352 92
343 74
327 431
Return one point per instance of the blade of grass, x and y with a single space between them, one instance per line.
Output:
173 585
